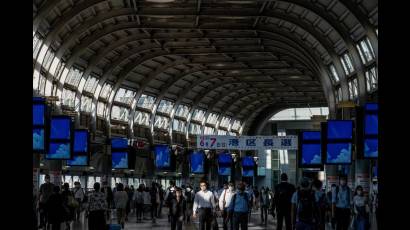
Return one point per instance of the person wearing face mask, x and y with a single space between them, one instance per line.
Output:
46 190
361 209
224 202
239 207
341 200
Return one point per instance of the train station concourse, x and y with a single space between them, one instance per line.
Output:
205 114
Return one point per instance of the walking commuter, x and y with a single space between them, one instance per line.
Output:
46 190
97 205
257 197
264 200
304 214
139 202
189 198
70 205
128 207
146 197
35 217
361 209
178 208
155 200
56 210
252 199
239 207
79 196
282 202
109 198
161 200
204 202
321 204
120 201
224 202
341 200
169 195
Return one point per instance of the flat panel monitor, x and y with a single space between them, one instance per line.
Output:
371 107
38 139
78 161
339 129
59 151
39 114
162 156
248 162
224 158
339 153
311 136
80 141
311 154
197 162
371 124
119 160
119 143
247 172
371 147
60 128
224 171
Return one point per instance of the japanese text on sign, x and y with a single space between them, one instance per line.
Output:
247 142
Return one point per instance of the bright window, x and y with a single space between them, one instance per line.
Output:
353 89
194 129
179 126
161 122
209 130
198 115
74 76
91 84
142 118
212 118
367 49
68 98
347 64
101 108
225 122
182 111
37 41
236 125
86 104
146 101
300 113
165 106
222 132
119 113
124 96
338 94
106 90
371 79
335 76
48 58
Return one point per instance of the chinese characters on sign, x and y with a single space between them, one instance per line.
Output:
247 142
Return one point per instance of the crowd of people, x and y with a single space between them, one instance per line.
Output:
305 207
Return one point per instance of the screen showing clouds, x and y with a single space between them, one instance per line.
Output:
371 148
119 160
59 151
119 143
339 129
248 162
38 114
38 139
371 124
162 156
224 158
224 171
60 128
247 173
339 153
80 141
311 154
78 161
197 162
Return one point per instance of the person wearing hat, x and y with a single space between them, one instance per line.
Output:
282 202
178 209
341 204
46 190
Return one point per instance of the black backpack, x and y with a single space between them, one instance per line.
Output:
306 208
284 196
189 197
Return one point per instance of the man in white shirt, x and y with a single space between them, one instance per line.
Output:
204 202
224 202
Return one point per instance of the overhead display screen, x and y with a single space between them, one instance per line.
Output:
311 135
60 128
59 151
339 153
248 162
38 114
311 154
371 107
371 148
81 141
38 139
224 158
162 156
197 162
224 171
119 160
371 124
119 143
78 161
340 129
247 172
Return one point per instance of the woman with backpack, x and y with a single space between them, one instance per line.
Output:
360 209
303 212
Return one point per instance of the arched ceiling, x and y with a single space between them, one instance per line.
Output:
237 58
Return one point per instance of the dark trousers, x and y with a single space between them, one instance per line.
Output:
96 220
280 216
205 218
43 214
264 213
240 218
227 219
154 210
176 224
342 218
139 210
56 226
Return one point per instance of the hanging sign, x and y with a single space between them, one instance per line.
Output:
247 142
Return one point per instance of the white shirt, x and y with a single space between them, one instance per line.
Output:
203 200
228 198
146 197
79 193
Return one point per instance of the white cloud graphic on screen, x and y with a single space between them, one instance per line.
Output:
79 161
344 156
316 160
369 154
62 151
122 164
38 140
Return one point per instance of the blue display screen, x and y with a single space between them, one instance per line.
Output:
311 135
339 153
197 162
371 107
224 171
248 162
119 160
38 139
162 156
38 114
78 161
371 124
311 154
119 143
224 158
81 141
59 151
60 128
371 148
339 129
261 171
247 173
